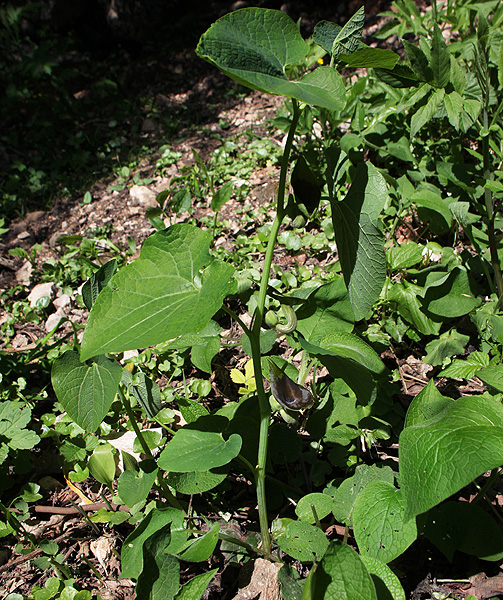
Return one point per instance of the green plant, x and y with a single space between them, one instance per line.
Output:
167 298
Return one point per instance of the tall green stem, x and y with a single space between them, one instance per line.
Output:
265 411
162 484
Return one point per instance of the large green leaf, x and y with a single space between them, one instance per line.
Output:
157 519
327 309
160 577
440 60
194 450
195 587
253 46
85 391
303 541
173 288
387 584
441 456
450 295
378 522
342 575
360 241
338 40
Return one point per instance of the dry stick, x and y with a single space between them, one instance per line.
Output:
30 556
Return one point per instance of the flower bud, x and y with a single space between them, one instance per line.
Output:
289 394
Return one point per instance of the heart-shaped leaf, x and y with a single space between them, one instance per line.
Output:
253 46
193 450
85 391
378 522
173 288
440 456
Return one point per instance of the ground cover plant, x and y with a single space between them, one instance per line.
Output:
393 175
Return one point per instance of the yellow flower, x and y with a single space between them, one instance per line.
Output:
320 61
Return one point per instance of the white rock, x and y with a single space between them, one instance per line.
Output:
143 196
52 321
62 301
23 274
39 291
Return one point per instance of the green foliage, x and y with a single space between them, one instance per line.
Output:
411 196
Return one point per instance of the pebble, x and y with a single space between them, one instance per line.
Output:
39 291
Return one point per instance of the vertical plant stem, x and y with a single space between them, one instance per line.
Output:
162 484
489 204
265 411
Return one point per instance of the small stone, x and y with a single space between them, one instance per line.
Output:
52 321
34 216
39 291
61 301
148 126
143 196
23 274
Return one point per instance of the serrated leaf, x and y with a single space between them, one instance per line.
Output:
453 103
466 369
359 239
441 456
193 450
378 522
418 61
336 40
173 288
253 46
448 344
425 113
85 391
342 575
440 60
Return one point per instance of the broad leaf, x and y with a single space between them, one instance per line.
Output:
303 541
387 584
134 486
450 295
343 575
160 577
132 549
195 587
193 450
85 391
338 40
370 58
441 456
93 286
427 405
313 506
328 308
347 493
173 288
378 522
196 482
492 376
360 241
202 548
253 46
464 527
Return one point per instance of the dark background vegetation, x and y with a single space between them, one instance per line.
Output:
82 79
